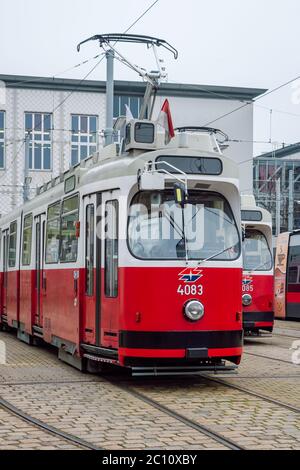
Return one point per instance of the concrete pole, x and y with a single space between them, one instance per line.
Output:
291 201
278 197
26 169
108 133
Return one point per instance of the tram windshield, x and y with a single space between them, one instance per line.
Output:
256 252
158 228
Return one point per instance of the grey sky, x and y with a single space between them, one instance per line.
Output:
234 42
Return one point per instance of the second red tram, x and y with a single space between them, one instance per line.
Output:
287 276
128 257
257 282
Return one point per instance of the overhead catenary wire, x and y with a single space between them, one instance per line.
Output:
267 93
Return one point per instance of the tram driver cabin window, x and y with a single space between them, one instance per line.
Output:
111 248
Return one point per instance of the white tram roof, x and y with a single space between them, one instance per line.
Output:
108 164
248 205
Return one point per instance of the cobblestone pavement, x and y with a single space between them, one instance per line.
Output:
90 407
276 347
287 328
252 422
290 325
16 434
87 406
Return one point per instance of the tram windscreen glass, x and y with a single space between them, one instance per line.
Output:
191 165
256 252
158 228
252 216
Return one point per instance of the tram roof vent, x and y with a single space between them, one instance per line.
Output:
109 151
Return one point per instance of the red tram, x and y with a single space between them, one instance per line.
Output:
128 257
287 276
258 267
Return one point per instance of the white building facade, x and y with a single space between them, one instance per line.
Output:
63 120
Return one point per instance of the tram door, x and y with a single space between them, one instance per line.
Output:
5 240
91 298
101 300
110 304
39 279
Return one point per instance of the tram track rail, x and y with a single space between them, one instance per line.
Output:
50 382
204 430
284 335
279 403
268 357
15 411
217 437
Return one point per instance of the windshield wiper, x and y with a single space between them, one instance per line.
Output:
260 266
217 254
176 227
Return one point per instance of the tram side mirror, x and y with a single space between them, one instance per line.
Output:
180 195
243 233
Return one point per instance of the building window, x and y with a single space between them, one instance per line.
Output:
120 102
2 129
38 126
133 102
84 137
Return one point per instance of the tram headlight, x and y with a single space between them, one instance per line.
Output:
247 300
194 310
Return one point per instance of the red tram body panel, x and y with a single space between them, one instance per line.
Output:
258 280
86 265
287 276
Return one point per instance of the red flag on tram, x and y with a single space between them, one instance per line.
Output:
165 121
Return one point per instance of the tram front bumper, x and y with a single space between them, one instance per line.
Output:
182 346
258 320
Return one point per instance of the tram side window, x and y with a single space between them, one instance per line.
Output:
293 275
294 265
52 233
111 248
89 250
12 254
27 240
69 240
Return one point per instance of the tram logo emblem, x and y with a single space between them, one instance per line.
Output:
247 280
190 275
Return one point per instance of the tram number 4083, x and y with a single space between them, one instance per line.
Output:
188 289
